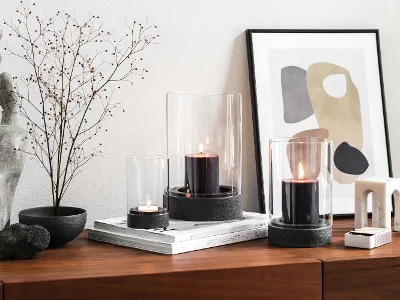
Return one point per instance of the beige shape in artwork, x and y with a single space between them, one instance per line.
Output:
340 116
305 153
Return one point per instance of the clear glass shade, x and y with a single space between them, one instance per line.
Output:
147 180
205 143
301 182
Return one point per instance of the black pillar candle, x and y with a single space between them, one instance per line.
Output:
300 201
202 173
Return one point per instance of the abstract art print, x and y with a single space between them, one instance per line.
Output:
321 83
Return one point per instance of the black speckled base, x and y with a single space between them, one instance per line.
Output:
204 209
299 238
148 221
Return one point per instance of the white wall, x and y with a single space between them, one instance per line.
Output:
202 48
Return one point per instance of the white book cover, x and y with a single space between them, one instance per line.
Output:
179 230
179 247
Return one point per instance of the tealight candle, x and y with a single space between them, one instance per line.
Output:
148 208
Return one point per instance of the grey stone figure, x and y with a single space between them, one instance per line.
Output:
12 138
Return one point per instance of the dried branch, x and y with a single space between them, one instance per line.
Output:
75 68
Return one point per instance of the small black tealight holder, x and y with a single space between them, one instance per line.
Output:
148 219
147 179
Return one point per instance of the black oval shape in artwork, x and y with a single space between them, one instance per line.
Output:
350 160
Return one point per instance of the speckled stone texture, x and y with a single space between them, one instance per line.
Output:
148 221
12 140
21 241
299 238
205 209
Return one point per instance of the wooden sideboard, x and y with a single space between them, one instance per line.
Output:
92 270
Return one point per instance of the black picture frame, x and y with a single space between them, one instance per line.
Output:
254 103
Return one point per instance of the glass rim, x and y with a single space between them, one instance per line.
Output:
204 94
147 157
296 140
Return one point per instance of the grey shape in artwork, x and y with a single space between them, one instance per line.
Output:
296 101
350 160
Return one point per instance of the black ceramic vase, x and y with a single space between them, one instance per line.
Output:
63 228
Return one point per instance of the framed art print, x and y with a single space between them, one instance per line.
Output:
323 83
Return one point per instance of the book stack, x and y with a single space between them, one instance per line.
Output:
181 236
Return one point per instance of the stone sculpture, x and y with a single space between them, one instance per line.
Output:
12 137
21 241
382 190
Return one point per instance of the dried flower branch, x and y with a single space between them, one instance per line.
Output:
75 69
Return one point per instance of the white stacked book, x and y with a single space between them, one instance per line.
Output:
181 236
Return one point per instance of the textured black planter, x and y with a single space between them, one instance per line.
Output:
63 228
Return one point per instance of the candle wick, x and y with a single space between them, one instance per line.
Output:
201 152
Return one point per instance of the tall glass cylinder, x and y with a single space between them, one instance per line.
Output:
300 192
147 180
205 152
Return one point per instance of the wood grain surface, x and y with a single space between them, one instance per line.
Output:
358 273
303 280
93 270
84 258
365 279
1 290
338 252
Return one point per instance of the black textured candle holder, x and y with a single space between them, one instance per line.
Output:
227 205
307 236
147 220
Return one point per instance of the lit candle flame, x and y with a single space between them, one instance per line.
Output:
301 171
201 148
148 203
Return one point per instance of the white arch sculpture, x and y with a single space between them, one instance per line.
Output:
382 190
